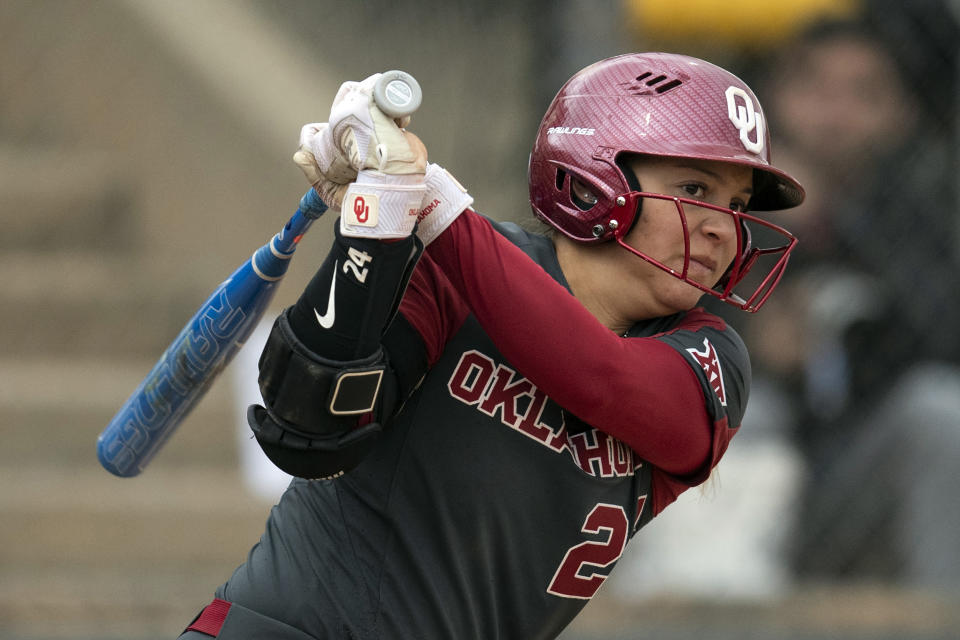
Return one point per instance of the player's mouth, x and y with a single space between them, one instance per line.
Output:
702 269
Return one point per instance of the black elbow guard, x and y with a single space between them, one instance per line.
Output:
321 417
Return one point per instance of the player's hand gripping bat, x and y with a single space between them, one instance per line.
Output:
221 325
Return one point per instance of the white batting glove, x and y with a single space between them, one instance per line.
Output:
380 205
444 199
331 188
360 136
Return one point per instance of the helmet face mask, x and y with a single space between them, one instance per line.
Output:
736 286
659 105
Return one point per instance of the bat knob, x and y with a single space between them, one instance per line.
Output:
397 94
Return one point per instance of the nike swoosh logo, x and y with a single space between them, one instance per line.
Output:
326 320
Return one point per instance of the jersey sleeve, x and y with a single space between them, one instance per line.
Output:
644 391
432 307
719 358
430 313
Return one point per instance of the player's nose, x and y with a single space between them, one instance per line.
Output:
717 225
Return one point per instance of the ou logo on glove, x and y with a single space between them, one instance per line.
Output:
360 209
745 118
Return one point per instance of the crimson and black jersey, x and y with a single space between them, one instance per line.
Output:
533 443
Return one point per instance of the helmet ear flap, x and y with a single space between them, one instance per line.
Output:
633 182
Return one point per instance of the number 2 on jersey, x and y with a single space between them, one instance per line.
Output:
568 581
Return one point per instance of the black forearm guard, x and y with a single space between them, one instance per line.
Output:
323 413
370 278
314 393
320 416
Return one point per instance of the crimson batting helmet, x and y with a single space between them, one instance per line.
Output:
658 104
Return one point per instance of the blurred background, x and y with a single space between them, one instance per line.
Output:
145 152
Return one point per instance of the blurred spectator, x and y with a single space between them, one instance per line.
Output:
861 338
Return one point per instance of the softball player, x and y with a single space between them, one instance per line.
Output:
480 417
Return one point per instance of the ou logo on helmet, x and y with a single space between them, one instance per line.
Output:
745 118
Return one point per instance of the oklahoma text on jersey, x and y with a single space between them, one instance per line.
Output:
480 382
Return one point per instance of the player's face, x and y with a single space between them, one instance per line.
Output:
658 232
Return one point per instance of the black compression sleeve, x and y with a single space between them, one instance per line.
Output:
368 278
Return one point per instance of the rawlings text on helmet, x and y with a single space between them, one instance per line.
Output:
580 131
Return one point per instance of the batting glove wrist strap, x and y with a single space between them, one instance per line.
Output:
444 199
382 206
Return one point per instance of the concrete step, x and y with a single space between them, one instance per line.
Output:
186 517
811 612
67 199
85 554
53 409
86 303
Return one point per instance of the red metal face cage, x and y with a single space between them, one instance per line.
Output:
747 255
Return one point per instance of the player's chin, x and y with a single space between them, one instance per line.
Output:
678 296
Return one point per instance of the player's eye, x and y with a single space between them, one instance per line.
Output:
739 206
694 190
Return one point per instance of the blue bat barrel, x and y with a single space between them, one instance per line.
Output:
199 353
